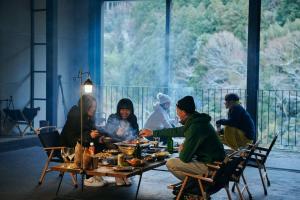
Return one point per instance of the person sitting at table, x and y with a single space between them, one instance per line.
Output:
239 128
71 134
122 126
159 118
201 145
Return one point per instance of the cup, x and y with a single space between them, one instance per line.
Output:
95 161
156 141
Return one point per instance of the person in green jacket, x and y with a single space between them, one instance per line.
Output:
201 145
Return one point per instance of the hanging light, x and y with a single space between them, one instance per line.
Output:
88 85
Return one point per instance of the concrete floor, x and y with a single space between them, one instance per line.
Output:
22 161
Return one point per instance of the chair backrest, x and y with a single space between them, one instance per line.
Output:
30 113
50 138
271 145
223 175
246 154
267 150
18 115
15 114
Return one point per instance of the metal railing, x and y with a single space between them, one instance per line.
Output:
277 109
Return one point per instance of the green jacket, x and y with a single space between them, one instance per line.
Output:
201 140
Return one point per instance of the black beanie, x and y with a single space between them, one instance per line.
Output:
232 97
187 104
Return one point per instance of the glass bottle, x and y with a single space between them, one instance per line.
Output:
138 151
92 148
170 145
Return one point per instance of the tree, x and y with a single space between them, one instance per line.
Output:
224 58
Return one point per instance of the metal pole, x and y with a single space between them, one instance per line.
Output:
253 58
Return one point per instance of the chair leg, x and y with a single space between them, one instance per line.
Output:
45 170
268 181
246 186
262 180
204 195
233 187
74 179
239 191
182 187
24 131
228 192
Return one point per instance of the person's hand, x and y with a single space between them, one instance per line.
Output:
146 133
180 148
101 139
120 132
94 134
219 122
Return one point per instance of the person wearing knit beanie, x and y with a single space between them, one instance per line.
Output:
187 104
201 145
238 129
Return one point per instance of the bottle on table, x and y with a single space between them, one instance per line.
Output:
138 151
170 145
92 148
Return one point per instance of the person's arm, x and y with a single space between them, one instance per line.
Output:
165 121
169 132
191 143
233 117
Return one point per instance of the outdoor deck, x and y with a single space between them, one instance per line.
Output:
21 166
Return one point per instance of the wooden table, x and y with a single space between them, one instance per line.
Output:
107 171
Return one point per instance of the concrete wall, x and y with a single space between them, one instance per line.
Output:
15 53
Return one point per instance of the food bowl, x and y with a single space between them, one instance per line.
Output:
107 139
135 162
127 150
161 155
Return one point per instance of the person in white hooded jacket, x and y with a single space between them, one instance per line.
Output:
159 118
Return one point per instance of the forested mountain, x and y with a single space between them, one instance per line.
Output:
208 44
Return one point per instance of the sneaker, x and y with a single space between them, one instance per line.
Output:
95 181
127 181
120 181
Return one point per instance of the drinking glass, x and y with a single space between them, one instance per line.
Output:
68 155
157 141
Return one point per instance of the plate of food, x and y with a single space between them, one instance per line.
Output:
149 158
123 168
141 142
161 155
112 151
135 162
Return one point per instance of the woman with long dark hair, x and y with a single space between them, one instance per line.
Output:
123 124
71 133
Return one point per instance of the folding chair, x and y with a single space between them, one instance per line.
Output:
258 160
24 117
49 138
215 179
239 172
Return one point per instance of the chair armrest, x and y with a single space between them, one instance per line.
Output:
261 148
214 167
210 180
259 154
217 163
54 148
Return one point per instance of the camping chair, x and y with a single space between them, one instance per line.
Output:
215 179
258 160
24 117
239 172
49 137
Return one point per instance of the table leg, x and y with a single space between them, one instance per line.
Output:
82 180
61 178
138 187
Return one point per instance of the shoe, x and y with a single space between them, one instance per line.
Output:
127 181
120 181
95 181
